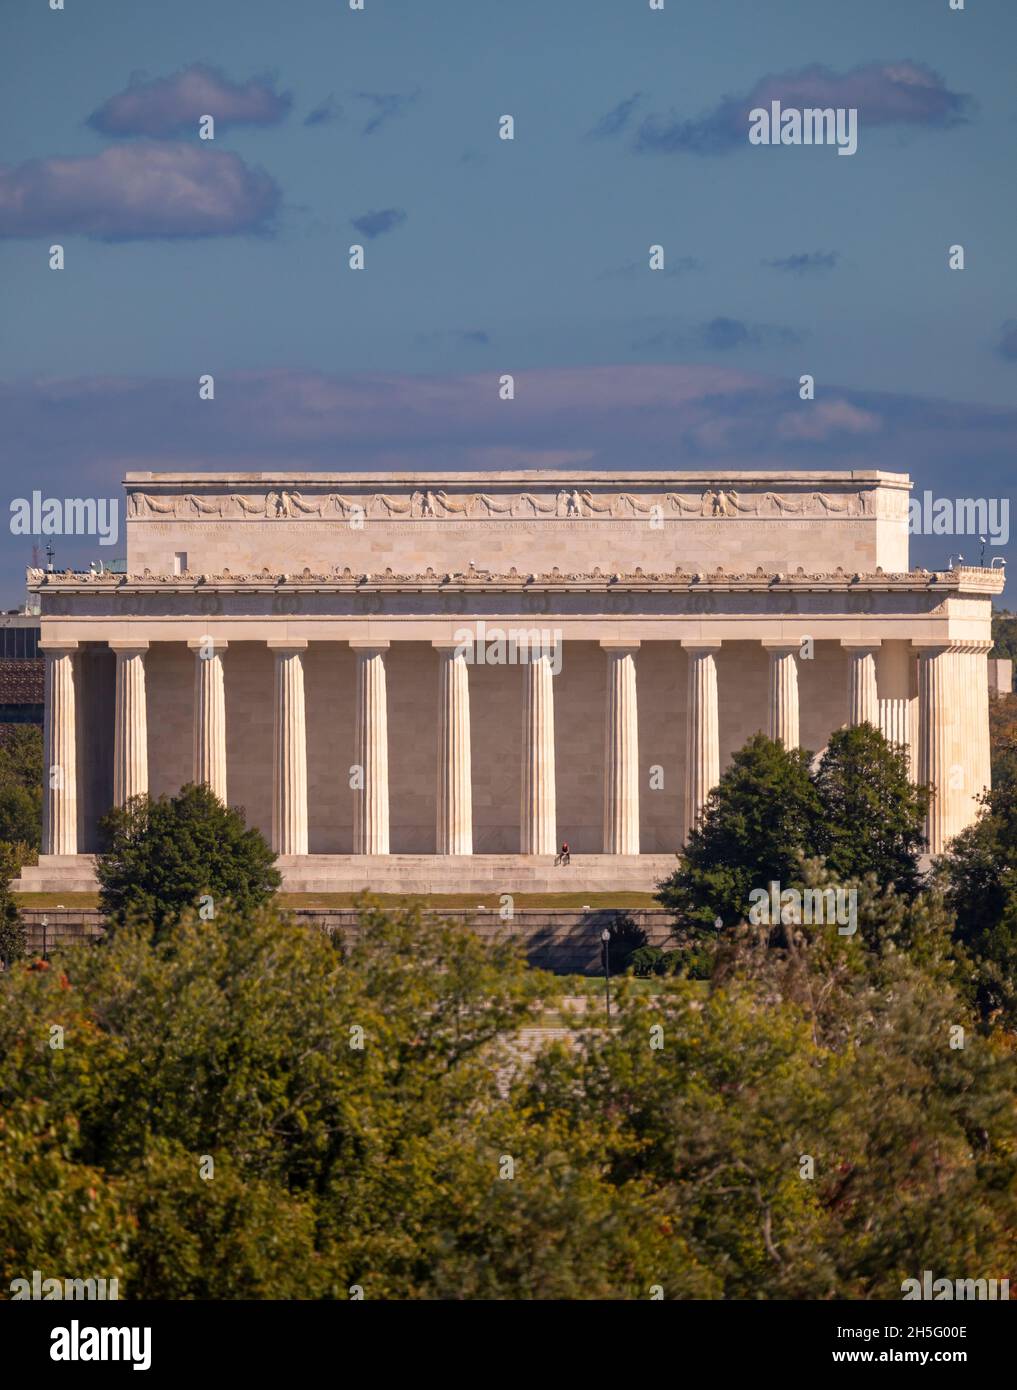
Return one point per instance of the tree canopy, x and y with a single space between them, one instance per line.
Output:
857 810
167 853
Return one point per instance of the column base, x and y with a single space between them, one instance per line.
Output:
58 873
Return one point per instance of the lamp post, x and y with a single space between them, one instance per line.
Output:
605 937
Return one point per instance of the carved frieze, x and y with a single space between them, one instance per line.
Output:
438 504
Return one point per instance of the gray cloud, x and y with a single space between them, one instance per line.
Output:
137 191
721 334
724 334
615 121
902 93
805 262
168 106
464 337
325 113
386 105
372 224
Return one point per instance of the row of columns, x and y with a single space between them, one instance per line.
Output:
454 813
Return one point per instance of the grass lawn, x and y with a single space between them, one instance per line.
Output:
37 900
565 901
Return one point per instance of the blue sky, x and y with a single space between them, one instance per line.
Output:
486 256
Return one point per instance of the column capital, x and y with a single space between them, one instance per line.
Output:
218 644
286 644
852 644
364 644
57 645
696 644
128 645
932 646
620 645
781 645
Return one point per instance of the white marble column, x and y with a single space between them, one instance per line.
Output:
936 693
370 754
289 761
896 699
783 696
130 722
863 702
979 686
454 826
621 751
538 826
209 766
702 745
60 773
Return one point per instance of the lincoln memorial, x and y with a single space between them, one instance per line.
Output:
428 683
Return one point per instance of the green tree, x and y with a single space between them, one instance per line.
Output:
857 810
12 930
166 853
21 786
59 1215
1004 633
758 820
873 815
979 874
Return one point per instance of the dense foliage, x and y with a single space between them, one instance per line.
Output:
20 791
372 1124
12 931
1004 634
980 878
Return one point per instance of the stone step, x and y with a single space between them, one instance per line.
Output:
408 873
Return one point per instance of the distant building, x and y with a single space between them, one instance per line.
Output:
317 649
1000 676
22 669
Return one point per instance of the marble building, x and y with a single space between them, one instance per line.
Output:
429 684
